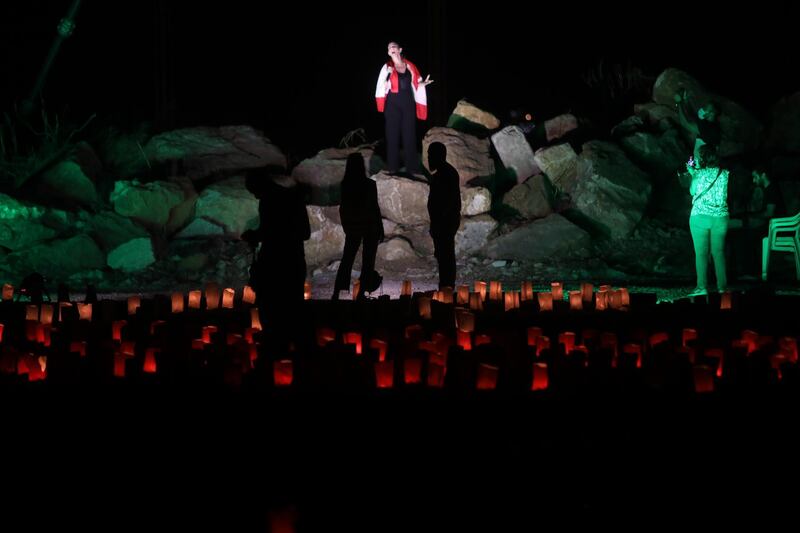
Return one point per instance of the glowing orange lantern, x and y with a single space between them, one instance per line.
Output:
542 343
495 290
8 292
46 314
412 371
384 374
134 302
751 338
32 312
424 305
689 334
128 348
307 290
545 301
465 321
78 347
228 296
248 295
194 299
625 297
255 320
557 289
788 347
406 289
212 295
84 311
567 338
119 365
540 377
150 361
726 300
586 292
475 301
632 348
207 332
511 300
480 288
62 306
464 339
487 377
462 295
658 338
482 339
381 346
703 379
283 373
615 299
198 344
601 300
353 337
575 300
116 329
526 291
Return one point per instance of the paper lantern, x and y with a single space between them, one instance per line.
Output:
615 300
545 301
557 289
212 295
150 366
475 302
194 299
657 338
134 302
8 292
381 346
283 373
32 312
487 377
601 300
482 339
384 374
447 295
406 289
116 329
46 314
634 349
703 379
84 311
533 335
462 295
511 300
464 339
625 297
575 300
609 340
436 373
788 347
526 292
465 321
567 338
751 338
606 288
414 332
198 344
234 338
62 310
424 306
255 320
480 288
412 371
78 347
542 343
128 348
495 290
248 295
352 337
719 355
177 302
155 325
208 331
540 377
307 290
228 296
587 292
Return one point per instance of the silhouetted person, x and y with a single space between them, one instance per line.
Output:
361 220
279 272
444 208
400 95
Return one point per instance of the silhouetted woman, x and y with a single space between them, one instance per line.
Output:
361 219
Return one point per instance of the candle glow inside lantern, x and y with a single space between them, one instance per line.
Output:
248 295
283 373
526 292
412 371
134 302
307 290
213 295
194 299
407 288
381 346
545 301
353 337
424 305
487 377
462 295
384 374
575 300
84 311
228 296
587 290
177 302
480 288
540 377
495 290
557 289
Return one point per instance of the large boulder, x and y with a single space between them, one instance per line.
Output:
229 204
468 118
205 151
548 238
132 256
111 230
475 201
182 213
149 204
610 191
560 163
23 224
66 182
514 151
327 235
403 200
324 172
660 154
57 260
531 199
559 126
474 233
469 155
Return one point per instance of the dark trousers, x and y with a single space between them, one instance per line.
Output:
353 240
401 116
444 249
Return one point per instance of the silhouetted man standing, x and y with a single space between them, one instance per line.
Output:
444 208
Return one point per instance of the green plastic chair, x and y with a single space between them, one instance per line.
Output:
783 236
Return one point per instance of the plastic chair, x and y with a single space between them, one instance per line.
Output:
783 236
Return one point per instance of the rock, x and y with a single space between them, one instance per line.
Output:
229 204
66 181
473 116
132 256
559 126
515 152
324 172
468 154
532 198
475 201
147 203
327 235
560 163
548 238
473 234
403 200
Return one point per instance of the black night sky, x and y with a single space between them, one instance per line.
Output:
306 75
